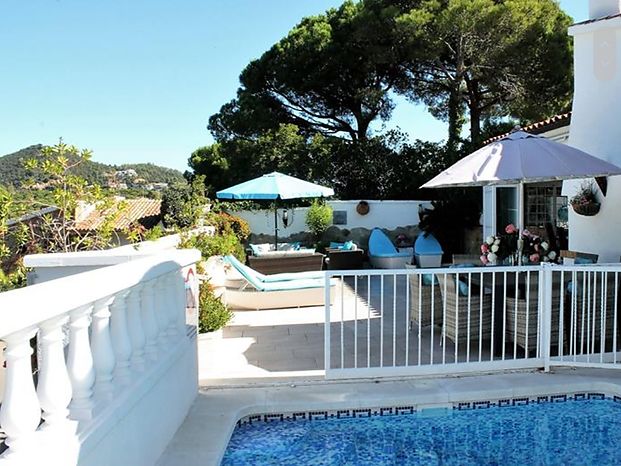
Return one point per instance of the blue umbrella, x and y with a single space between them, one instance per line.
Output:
274 186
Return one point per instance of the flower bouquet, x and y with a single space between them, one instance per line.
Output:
513 245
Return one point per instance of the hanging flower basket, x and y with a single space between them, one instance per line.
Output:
588 210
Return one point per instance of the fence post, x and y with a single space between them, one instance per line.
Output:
326 334
545 321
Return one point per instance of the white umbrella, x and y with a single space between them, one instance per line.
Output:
519 158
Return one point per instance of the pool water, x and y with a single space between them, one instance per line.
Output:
573 432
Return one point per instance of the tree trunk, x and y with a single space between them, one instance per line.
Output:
475 124
455 120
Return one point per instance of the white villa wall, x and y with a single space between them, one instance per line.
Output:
383 214
595 126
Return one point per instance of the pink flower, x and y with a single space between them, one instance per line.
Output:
484 248
484 259
526 233
510 229
534 258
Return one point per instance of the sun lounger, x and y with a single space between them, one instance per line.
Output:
258 291
384 255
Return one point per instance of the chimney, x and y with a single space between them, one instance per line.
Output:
602 8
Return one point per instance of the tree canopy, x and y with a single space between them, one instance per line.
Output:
308 105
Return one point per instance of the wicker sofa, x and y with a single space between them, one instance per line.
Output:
286 261
341 259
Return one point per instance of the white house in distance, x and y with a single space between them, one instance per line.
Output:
593 127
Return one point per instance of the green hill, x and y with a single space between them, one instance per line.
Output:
13 173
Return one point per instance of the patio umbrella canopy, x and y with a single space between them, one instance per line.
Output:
519 158
274 186
522 157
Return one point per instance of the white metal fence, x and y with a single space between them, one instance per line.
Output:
476 319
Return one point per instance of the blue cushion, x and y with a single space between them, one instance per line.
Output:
463 288
429 278
296 246
348 246
334 245
583 260
461 266
255 250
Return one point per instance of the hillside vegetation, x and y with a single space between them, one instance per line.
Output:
13 173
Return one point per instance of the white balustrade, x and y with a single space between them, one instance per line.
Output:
121 342
172 304
114 316
179 294
136 331
161 309
80 363
54 387
103 353
149 320
20 412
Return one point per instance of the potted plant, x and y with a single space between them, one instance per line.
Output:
585 201
213 314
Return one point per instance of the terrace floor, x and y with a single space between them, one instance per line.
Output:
288 344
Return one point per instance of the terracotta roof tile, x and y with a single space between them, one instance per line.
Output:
133 211
557 121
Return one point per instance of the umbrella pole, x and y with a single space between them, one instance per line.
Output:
275 226
521 225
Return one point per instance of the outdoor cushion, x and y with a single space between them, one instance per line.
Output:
255 278
349 245
265 248
334 245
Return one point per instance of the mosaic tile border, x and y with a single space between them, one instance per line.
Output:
322 415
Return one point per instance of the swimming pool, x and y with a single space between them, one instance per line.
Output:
577 429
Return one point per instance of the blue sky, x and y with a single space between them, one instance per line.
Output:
136 81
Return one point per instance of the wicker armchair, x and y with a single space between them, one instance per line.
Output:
524 309
457 320
422 294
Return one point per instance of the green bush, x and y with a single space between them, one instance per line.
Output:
218 245
213 313
319 217
227 223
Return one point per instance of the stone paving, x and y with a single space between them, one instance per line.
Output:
289 343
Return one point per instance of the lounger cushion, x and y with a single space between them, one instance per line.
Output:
288 281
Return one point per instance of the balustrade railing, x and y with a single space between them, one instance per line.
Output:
475 319
118 321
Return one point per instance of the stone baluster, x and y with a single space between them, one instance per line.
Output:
20 412
180 298
161 308
121 343
172 306
136 331
103 354
80 364
54 385
149 319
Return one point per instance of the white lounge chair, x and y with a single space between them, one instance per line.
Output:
258 291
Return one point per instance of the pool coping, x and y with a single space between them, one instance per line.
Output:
212 419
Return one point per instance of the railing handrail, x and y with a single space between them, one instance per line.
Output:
476 269
47 300
435 271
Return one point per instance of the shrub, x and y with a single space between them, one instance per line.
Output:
319 217
218 245
213 314
227 223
